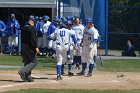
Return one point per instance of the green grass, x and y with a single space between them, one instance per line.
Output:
43 62
46 63
10 60
72 91
114 65
120 65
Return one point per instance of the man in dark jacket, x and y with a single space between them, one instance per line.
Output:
129 50
28 50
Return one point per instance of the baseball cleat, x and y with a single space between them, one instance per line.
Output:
59 78
80 73
70 74
89 74
62 73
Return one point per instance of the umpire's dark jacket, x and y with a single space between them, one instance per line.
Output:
28 43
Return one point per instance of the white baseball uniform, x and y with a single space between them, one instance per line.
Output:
13 40
71 48
89 46
62 37
45 28
79 34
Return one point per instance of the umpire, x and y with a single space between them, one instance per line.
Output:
28 50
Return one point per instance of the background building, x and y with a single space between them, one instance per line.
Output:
23 8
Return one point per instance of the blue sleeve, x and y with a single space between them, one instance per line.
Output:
37 26
51 30
48 32
4 26
18 26
74 39
95 40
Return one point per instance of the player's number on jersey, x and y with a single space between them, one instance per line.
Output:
62 33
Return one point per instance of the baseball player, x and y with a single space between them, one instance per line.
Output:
2 29
53 26
78 28
89 50
62 37
13 27
40 33
45 28
70 51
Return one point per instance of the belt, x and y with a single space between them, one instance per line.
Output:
61 44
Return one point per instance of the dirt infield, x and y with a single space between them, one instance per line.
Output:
10 80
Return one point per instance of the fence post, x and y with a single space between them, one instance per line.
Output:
106 27
58 8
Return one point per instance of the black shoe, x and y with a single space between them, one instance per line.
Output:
70 74
62 73
30 79
59 78
23 76
89 74
80 73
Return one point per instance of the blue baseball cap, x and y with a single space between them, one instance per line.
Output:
90 20
31 16
46 17
56 18
64 19
36 17
69 22
62 26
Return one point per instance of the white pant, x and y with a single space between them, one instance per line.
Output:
61 53
13 40
95 50
88 54
50 44
71 55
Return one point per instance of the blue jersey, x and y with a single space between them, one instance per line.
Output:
2 27
51 29
13 27
39 27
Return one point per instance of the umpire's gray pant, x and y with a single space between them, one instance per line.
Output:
28 68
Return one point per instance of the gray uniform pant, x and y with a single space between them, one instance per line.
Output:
29 59
28 68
